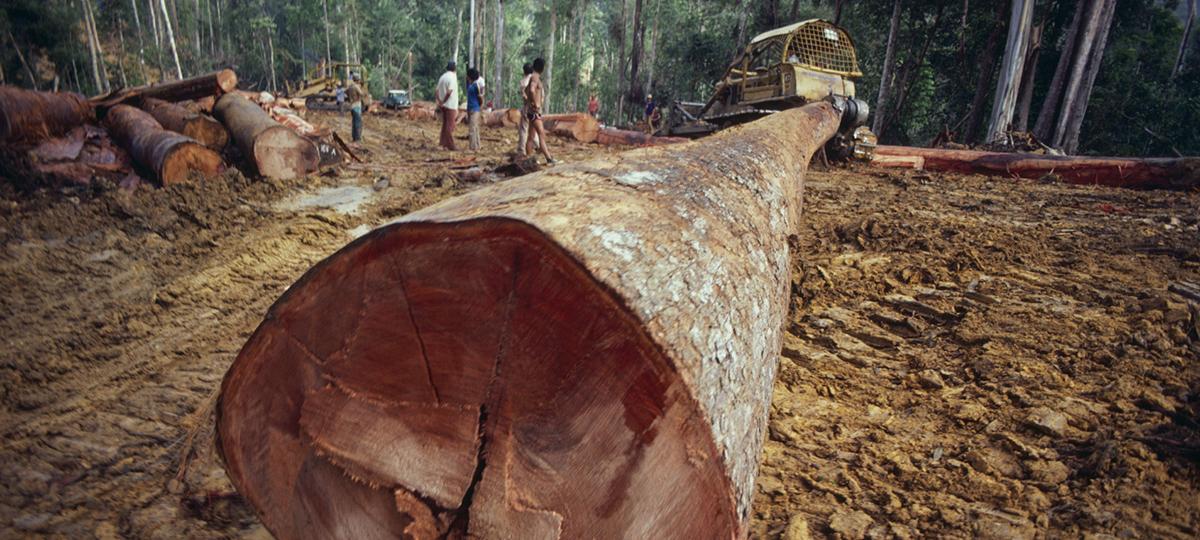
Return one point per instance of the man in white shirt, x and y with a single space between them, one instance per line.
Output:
447 104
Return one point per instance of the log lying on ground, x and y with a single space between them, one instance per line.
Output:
179 119
576 126
169 156
583 352
508 118
610 136
211 84
1147 173
274 149
30 116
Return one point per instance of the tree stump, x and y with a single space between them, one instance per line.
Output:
169 156
275 150
583 352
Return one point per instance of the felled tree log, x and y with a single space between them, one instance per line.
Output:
179 119
610 136
274 149
508 118
576 126
584 352
211 84
1147 173
30 116
169 156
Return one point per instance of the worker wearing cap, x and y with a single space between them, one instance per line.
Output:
358 98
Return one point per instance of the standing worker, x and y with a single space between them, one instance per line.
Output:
447 104
535 98
358 98
473 113
523 125
593 106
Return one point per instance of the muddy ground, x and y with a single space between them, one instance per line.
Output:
966 357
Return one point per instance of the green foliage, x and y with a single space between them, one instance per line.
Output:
1137 106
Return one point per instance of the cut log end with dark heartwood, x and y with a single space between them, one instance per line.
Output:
583 352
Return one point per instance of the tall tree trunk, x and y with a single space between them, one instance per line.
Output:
137 20
1008 84
171 38
620 65
121 58
986 63
498 60
151 13
471 37
743 8
1083 51
98 72
548 82
271 59
837 11
1187 37
196 28
221 34
889 61
458 33
912 68
24 63
653 49
637 93
1044 127
212 36
328 53
1029 78
1079 107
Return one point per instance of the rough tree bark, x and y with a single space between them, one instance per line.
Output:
1074 122
30 116
1029 78
1044 127
1152 173
209 84
1088 32
585 352
635 55
169 156
177 118
889 61
1008 84
274 149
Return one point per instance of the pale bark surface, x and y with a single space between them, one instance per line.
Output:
597 342
1008 84
1044 127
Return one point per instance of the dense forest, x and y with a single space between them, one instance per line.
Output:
1134 88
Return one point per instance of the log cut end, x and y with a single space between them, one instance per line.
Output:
281 153
470 378
208 131
226 80
187 158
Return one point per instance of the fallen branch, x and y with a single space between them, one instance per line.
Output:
582 352
1146 173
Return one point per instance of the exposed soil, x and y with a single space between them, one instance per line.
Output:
966 357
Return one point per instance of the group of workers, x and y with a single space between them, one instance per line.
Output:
531 132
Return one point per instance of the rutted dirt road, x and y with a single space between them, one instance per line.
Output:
967 357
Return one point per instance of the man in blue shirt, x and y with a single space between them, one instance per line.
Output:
473 107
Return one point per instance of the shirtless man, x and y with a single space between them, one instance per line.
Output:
535 97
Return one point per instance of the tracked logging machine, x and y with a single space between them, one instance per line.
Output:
788 67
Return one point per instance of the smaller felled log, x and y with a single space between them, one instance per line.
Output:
275 150
211 84
1145 173
576 126
508 118
169 156
29 116
179 119
610 136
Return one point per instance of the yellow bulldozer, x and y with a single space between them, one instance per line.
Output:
319 87
787 67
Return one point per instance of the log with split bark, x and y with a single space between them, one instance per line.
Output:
275 150
508 118
575 126
210 84
1139 173
29 116
611 136
583 352
179 119
169 156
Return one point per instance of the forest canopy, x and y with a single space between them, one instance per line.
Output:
947 54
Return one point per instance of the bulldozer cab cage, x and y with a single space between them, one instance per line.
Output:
813 44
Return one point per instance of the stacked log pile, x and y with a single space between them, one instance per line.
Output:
520 362
162 131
